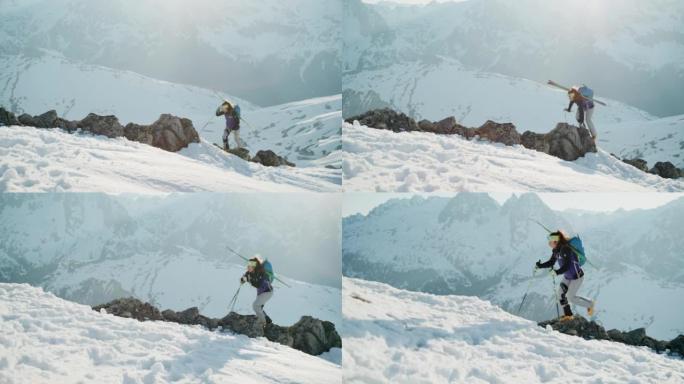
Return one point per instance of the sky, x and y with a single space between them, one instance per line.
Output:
362 202
410 1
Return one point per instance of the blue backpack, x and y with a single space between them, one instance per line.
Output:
577 247
268 267
236 111
586 92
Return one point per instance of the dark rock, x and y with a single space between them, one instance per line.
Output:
566 142
242 153
270 159
46 120
578 326
131 307
676 345
170 133
499 133
308 335
26 119
386 119
634 337
640 164
102 125
7 118
666 170
426 125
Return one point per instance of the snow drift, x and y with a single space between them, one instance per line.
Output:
47 339
383 161
399 336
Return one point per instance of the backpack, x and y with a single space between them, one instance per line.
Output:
236 111
268 268
577 247
586 92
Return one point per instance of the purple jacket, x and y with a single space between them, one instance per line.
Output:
568 263
259 281
232 123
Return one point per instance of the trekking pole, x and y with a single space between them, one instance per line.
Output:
248 124
555 293
233 301
527 290
246 259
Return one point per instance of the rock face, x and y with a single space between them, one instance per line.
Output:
270 159
566 142
640 164
589 330
386 119
102 125
666 170
169 132
7 118
308 335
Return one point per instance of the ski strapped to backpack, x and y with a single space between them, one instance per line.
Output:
268 267
588 90
575 244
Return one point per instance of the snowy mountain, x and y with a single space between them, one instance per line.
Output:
268 52
627 50
171 251
396 336
47 339
385 161
306 132
471 245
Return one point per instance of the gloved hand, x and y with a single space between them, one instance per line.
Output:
538 264
555 271
243 279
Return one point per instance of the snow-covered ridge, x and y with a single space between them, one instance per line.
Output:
53 160
397 336
379 160
47 339
472 245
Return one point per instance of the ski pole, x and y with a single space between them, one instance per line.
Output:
246 259
527 290
233 301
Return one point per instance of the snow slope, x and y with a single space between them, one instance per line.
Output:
472 245
36 160
48 340
447 88
383 161
306 132
395 336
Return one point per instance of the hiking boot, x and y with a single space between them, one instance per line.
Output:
565 318
590 310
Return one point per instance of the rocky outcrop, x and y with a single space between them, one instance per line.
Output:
309 335
590 330
565 141
666 170
102 125
270 159
7 118
169 132
639 164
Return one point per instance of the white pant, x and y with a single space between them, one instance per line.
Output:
258 305
587 120
236 136
571 294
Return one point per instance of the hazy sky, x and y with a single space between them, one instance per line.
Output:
410 1
362 202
